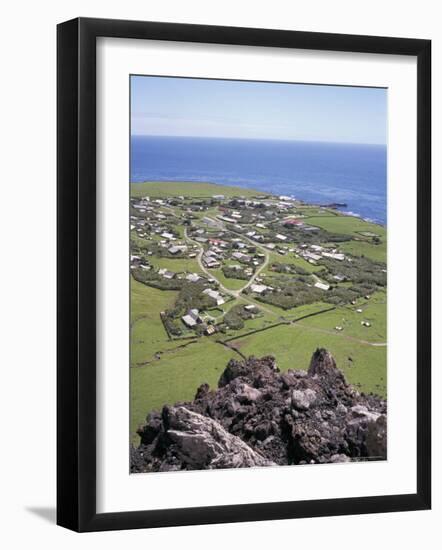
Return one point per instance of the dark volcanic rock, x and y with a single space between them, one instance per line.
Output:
260 417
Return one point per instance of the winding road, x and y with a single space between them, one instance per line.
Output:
237 294
233 293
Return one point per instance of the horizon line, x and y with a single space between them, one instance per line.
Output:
262 139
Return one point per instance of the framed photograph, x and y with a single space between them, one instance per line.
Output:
243 274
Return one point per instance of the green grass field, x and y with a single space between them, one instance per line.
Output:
175 377
293 346
230 284
263 320
209 213
147 332
291 259
301 311
278 313
349 319
177 265
308 211
347 225
159 189
376 252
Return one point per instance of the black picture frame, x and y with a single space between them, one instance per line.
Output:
76 274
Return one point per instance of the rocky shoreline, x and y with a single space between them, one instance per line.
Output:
259 416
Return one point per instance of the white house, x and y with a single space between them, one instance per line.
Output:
311 256
167 235
175 249
241 257
334 256
322 286
193 277
259 289
189 321
215 295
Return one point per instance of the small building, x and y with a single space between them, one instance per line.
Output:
210 330
309 228
193 277
322 286
281 237
195 314
241 257
311 256
215 295
258 289
134 258
192 318
217 242
210 262
334 256
167 235
226 219
189 321
294 222
175 249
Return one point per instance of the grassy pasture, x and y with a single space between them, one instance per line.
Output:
349 319
175 377
347 225
293 346
291 259
261 321
376 252
163 189
308 211
307 309
147 332
177 265
230 284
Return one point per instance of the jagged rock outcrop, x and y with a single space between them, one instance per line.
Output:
193 441
260 417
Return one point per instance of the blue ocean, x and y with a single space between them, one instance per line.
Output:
314 172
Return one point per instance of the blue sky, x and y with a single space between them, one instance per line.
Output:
257 110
